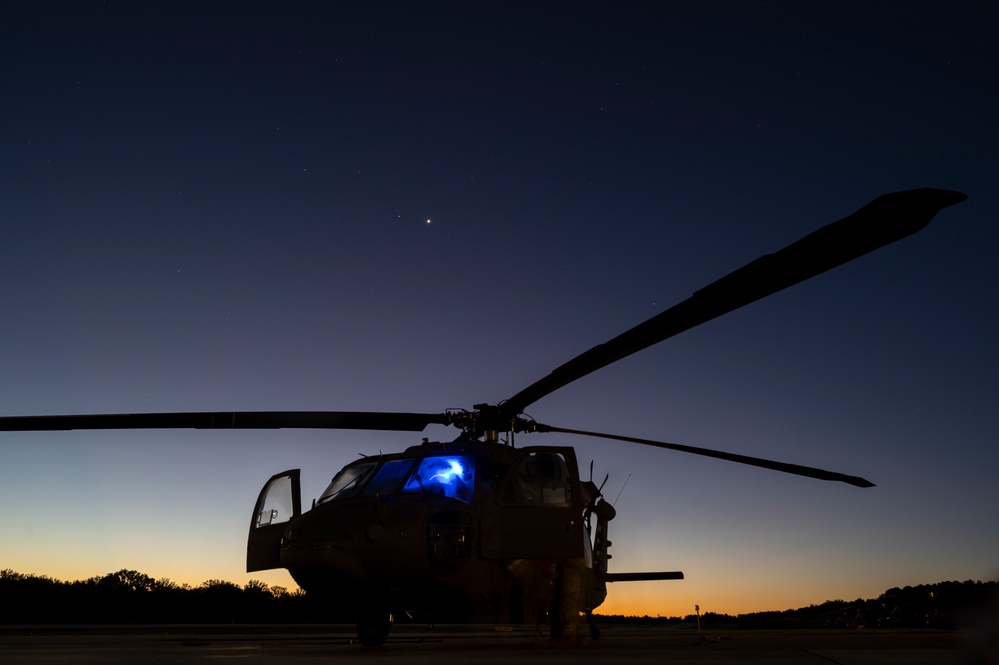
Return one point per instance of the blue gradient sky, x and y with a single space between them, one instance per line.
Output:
225 208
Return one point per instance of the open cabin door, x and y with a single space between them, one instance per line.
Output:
538 511
279 502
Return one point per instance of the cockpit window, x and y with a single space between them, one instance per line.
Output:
347 482
453 477
389 477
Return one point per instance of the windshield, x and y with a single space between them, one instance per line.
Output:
453 477
347 482
388 477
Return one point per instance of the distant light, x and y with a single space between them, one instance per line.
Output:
428 221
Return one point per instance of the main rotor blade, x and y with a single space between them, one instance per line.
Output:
371 420
884 220
796 469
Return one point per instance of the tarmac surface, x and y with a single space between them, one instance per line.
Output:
305 645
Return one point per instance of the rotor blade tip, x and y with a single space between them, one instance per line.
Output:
946 197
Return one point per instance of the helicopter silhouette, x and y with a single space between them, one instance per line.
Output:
478 527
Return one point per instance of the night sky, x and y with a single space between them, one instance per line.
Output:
305 206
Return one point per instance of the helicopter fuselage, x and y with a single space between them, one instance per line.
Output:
468 528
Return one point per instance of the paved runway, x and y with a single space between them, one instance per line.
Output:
305 645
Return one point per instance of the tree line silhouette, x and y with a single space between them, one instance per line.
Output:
131 597
944 605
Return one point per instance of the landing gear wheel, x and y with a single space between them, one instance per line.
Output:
594 629
373 627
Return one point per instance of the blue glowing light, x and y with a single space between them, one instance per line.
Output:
453 477
447 475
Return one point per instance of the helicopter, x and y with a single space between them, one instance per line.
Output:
479 527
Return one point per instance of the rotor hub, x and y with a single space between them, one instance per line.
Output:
486 421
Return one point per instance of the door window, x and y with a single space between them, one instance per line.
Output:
277 505
542 479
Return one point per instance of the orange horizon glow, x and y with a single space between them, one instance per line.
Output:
653 599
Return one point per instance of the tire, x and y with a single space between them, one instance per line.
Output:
373 627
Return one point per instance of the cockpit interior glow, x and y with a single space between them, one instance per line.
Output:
454 477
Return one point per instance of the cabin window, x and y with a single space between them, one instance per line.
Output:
389 477
348 481
450 476
542 479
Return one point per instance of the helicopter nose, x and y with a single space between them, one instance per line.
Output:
450 538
